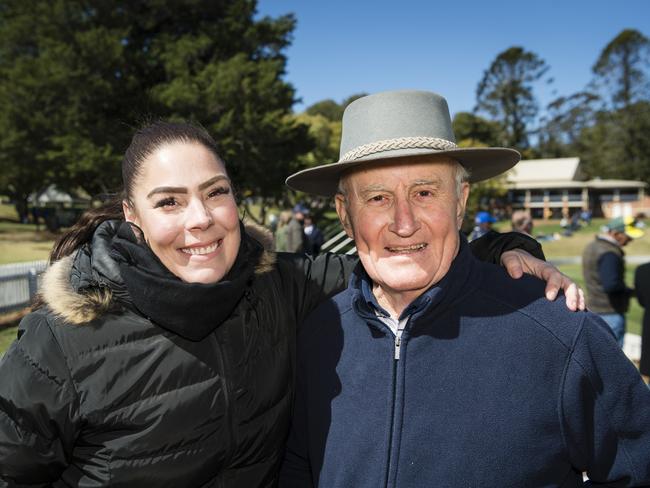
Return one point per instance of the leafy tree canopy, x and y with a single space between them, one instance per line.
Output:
473 131
77 76
621 70
330 109
506 93
327 108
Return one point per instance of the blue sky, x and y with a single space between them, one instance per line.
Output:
346 47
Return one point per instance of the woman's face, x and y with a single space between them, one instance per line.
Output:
184 204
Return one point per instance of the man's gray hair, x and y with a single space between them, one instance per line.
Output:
462 175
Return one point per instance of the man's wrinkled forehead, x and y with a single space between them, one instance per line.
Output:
434 181
358 177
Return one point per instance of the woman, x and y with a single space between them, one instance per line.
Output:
163 353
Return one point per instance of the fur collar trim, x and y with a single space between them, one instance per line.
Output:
82 307
65 302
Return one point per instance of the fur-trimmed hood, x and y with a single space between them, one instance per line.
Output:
84 286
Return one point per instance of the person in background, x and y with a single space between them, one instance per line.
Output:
435 370
603 268
642 288
282 231
295 232
314 238
521 222
272 223
482 225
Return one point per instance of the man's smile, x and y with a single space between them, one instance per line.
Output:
406 249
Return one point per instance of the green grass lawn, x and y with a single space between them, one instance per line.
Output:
22 242
8 212
574 244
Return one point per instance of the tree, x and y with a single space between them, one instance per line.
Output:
220 67
77 76
506 93
617 143
331 110
621 68
612 149
472 130
326 137
326 108
57 122
563 125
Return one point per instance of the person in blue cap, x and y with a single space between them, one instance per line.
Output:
483 221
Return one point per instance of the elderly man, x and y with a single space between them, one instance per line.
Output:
433 369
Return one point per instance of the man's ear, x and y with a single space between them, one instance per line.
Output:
462 204
342 212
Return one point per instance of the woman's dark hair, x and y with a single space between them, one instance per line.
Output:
150 138
145 142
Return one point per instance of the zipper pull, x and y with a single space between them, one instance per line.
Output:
398 342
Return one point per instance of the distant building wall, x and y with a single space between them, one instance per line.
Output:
623 209
557 202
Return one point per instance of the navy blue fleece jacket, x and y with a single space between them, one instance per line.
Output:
494 387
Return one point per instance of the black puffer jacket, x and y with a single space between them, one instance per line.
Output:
95 394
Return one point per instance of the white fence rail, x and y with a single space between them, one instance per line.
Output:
19 283
339 242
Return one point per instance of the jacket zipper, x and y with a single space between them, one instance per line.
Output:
396 357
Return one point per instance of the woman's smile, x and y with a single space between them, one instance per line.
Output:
202 249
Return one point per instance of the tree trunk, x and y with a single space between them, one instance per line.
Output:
22 209
250 215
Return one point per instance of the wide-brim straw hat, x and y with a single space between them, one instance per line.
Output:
399 124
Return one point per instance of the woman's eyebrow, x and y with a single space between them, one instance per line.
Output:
167 189
182 189
213 180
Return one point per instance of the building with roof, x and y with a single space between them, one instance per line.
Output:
57 208
555 188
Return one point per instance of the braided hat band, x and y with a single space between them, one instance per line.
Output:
435 143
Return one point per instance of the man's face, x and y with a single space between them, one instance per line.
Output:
622 238
404 218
